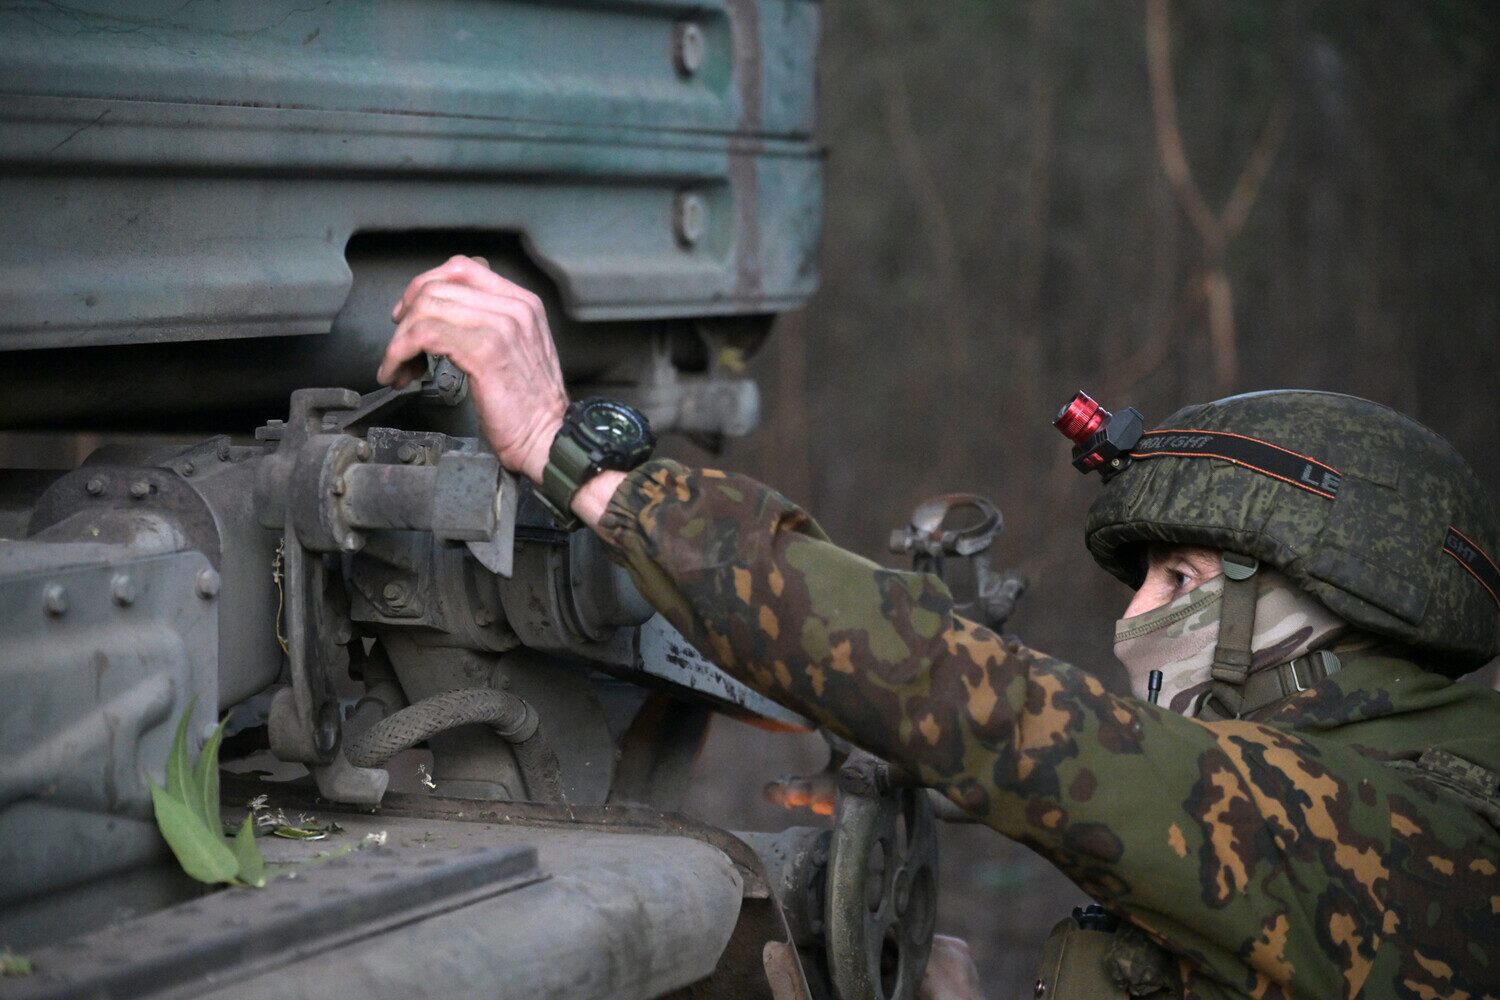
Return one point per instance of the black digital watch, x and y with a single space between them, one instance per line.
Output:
596 434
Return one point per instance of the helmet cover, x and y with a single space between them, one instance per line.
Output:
1369 511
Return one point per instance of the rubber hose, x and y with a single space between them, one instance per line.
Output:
511 717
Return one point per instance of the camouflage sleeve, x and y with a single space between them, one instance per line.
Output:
1242 845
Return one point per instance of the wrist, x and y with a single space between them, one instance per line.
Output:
539 446
593 497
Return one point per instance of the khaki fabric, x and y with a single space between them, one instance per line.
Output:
1179 638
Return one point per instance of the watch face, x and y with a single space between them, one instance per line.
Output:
611 425
620 436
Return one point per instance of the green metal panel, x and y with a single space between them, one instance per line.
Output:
194 171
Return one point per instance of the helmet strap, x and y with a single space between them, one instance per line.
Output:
1232 655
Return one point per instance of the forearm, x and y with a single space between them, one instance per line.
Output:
1149 812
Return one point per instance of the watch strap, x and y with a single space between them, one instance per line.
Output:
568 467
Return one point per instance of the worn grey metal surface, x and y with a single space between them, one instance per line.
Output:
666 655
200 496
445 907
226 936
104 646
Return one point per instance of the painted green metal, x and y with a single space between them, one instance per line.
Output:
177 172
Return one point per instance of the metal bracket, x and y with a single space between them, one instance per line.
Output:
949 537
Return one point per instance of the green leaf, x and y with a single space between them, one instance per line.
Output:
179 770
12 964
206 778
252 865
200 850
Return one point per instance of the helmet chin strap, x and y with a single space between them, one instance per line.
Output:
1232 655
1236 692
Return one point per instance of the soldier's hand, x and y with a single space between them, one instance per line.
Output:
496 332
950 972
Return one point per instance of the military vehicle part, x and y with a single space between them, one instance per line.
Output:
951 536
209 210
622 907
252 192
512 719
860 899
881 892
1101 440
154 575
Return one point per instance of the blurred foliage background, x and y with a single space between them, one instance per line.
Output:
1161 203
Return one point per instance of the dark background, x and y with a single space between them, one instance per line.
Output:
1001 230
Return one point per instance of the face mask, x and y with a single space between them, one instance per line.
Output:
1179 638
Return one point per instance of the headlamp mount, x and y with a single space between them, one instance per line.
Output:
1101 440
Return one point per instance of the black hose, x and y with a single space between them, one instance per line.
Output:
511 717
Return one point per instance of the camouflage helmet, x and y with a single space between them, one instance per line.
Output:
1369 511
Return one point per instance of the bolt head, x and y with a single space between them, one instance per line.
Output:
54 599
352 543
207 584
338 486
140 489
223 451
689 218
362 451
395 594
326 730
122 590
689 48
407 453
94 487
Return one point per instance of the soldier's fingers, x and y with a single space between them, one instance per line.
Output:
454 268
436 295
425 334
475 272
469 272
468 335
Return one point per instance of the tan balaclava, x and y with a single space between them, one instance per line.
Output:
1179 638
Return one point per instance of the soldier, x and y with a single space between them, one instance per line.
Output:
1312 811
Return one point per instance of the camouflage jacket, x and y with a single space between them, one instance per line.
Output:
1280 857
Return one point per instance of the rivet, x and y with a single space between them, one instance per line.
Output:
338 486
54 599
223 451
122 589
688 48
408 454
395 594
140 490
187 468
352 543
362 451
94 487
207 584
689 218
